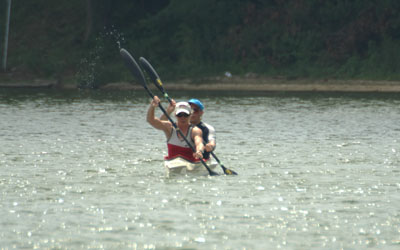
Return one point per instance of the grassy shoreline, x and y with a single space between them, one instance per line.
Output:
236 84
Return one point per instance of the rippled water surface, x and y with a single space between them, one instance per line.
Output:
82 170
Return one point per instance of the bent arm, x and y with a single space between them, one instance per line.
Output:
154 121
198 142
211 144
170 109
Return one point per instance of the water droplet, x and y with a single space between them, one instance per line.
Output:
200 239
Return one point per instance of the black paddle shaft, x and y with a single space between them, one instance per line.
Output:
137 72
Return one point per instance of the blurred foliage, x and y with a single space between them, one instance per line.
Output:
194 39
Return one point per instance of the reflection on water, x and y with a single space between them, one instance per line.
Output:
82 169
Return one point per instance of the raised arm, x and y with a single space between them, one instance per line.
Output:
170 109
165 126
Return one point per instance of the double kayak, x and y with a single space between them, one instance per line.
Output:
181 166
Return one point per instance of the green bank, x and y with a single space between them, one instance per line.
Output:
78 42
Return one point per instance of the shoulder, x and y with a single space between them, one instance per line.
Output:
196 129
211 128
168 128
167 124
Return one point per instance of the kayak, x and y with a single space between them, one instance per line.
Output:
179 166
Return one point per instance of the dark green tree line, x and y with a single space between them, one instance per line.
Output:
191 38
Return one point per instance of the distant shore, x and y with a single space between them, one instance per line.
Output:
239 84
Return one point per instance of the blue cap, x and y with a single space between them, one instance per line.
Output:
197 103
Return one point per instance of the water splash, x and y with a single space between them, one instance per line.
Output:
93 64
116 36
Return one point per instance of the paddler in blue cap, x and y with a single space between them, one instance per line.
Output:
208 130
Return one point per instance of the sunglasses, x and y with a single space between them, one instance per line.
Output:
195 110
182 115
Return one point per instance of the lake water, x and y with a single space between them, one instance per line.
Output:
83 170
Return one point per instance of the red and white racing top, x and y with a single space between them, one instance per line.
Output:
179 147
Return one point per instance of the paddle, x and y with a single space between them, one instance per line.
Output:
157 81
137 72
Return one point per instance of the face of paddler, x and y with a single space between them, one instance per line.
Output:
197 113
182 119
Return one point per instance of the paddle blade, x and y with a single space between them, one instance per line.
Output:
228 171
212 173
151 71
155 78
133 67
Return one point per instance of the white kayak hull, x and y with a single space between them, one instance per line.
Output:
181 166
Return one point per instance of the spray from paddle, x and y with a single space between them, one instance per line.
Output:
92 67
